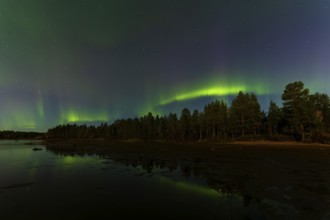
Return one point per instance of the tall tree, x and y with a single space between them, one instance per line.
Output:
210 119
195 124
185 124
255 115
147 126
296 107
223 119
321 110
245 113
202 125
216 115
274 117
172 126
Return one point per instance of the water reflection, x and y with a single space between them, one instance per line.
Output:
244 183
82 185
191 175
195 167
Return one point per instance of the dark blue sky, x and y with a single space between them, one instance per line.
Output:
82 61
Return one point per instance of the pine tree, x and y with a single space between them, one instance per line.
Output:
274 117
296 107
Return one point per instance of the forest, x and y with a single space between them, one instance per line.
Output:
20 135
303 117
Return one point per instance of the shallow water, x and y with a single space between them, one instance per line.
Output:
46 185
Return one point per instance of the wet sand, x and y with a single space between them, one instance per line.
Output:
287 180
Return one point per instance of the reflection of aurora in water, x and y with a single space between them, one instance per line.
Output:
56 181
216 187
190 187
198 184
230 173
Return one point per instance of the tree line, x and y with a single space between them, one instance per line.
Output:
303 117
20 135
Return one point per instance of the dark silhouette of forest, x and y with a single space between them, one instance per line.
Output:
20 135
303 117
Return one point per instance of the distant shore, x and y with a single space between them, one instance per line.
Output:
109 142
279 143
137 146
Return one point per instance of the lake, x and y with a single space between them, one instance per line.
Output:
48 184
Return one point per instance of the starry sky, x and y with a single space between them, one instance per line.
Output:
92 61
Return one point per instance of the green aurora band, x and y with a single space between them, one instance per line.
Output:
36 114
203 93
212 88
73 116
34 119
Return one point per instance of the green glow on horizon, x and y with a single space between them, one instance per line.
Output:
20 120
149 108
72 116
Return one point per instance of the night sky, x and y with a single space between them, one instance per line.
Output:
84 61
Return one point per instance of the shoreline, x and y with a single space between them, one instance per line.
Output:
109 142
279 143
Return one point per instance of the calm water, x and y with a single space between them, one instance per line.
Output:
45 185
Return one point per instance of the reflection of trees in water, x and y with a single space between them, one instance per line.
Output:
210 170
72 152
228 187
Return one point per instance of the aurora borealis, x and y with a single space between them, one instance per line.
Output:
85 61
